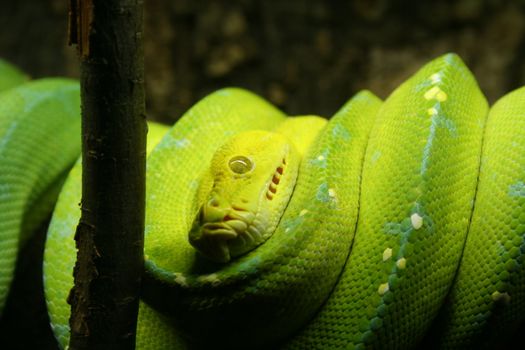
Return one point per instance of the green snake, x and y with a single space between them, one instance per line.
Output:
393 224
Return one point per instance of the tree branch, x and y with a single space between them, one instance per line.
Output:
109 237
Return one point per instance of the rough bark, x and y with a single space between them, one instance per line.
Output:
109 237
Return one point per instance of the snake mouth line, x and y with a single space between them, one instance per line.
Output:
235 228
236 233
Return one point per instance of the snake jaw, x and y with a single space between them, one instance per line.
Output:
220 233
211 240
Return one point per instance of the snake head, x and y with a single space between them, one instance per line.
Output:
253 176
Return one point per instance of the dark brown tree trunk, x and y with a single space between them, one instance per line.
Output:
109 237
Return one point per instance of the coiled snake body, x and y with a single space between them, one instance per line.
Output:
395 224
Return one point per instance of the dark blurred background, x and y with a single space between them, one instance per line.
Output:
307 57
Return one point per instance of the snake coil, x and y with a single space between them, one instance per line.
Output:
404 227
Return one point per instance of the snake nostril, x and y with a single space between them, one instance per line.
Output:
227 217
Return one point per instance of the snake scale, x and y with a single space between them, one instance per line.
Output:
392 225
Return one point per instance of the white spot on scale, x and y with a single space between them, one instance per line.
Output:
435 78
387 254
320 160
432 111
401 263
303 212
287 230
436 93
416 220
383 288
331 192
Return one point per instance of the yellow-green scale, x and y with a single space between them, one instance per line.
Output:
39 122
487 301
419 179
358 116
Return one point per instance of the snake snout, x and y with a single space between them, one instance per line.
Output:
213 211
222 230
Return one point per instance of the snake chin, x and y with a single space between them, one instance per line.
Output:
236 232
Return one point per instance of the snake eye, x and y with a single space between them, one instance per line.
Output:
240 165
